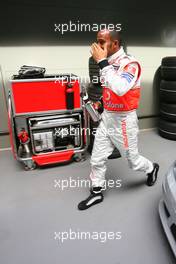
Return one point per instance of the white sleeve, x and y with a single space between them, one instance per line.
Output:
120 83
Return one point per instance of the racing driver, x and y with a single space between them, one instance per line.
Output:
120 77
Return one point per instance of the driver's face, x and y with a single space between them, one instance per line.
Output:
104 38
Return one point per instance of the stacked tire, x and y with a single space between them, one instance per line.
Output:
94 90
167 121
94 93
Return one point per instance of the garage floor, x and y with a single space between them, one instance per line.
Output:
34 210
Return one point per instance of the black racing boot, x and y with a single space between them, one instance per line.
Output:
152 176
95 197
115 154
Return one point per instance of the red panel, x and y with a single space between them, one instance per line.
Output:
53 157
42 96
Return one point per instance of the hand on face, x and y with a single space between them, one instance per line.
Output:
97 52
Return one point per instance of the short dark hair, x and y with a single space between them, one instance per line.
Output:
115 35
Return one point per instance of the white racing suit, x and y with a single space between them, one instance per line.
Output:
119 124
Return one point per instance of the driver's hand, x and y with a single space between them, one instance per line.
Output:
97 52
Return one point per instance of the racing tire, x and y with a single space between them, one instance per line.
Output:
94 70
94 92
168 112
169 61
167 129
168 68
168 91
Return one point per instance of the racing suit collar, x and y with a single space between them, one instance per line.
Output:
117 54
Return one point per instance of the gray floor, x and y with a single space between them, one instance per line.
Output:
33 209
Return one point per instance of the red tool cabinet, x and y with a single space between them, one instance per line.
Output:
45 126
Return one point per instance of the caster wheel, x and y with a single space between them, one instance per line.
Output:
28 165
80 157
